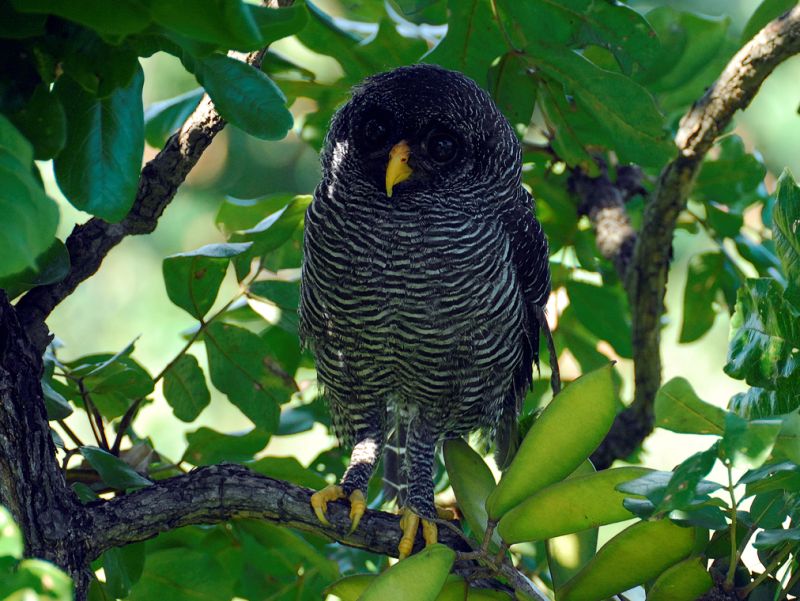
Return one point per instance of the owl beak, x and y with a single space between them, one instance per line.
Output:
397 170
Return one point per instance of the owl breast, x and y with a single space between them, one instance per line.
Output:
420 307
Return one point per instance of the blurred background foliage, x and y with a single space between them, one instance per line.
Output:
723 237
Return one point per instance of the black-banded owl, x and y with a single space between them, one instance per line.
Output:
424 280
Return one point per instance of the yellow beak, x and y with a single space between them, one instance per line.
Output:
397 170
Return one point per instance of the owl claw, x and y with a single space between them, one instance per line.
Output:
409 524
320 500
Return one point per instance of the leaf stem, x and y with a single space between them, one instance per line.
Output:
734 559
95 419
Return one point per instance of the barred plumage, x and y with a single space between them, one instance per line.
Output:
421 308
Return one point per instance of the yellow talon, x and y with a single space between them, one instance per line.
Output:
320 499
358 506
409 524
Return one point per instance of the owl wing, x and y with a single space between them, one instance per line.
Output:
530 258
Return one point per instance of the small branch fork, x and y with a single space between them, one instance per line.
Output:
642 259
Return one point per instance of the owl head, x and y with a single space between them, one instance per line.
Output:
419 135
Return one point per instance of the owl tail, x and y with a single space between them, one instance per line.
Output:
394 472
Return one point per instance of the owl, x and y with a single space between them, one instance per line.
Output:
424 280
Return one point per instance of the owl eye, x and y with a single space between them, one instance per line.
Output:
376 131
441 147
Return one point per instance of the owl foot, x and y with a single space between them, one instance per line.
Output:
409 524
320 500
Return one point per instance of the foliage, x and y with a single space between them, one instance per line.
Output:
579 80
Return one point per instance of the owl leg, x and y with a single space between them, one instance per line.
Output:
354 482
419 508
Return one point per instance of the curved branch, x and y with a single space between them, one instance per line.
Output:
218 493
90 242
647 271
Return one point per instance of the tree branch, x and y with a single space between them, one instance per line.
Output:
645 269
218 493
90 242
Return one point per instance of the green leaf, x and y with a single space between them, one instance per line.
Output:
772 538
417 578
56 405
182 574
193 278
285 295
773 476
786 229
240 214
758 402
767 332
578 23
788 443
10 537
162 119
43 577
679 409
513 88
51 266
116 384
631 120
236 364
703 284
225 24
114 472
207 446
604 312
276 23
43 123
127 17
185 388
98 169
766 12
732 177
288 468
123 568
748 444
685 581
244 96
472 483
28 218
472 42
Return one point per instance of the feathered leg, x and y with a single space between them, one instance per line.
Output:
363 459
419 507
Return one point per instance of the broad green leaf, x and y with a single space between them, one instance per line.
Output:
14 25
244 96
692 53
237 368
285 295
678 408
51 266
786 230
766 12
288 468
44 578
731 177
207 446
101 68
43 123
472 42
98 169
766 331
513 88
571 505
276 23
127 16
771 538
603 310
10 536
115 387
113 470
758 403
182 574
237 214
685 581
185 388
788 442
769 510
773 476
472 483
350 588
748 444
562 438
225 24
56 405
28 218
162 119
193 278
704 281
631 119
637 554
123 568
417 578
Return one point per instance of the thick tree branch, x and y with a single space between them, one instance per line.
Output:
90 242
646 269
218 493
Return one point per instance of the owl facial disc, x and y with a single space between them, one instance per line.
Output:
397 170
